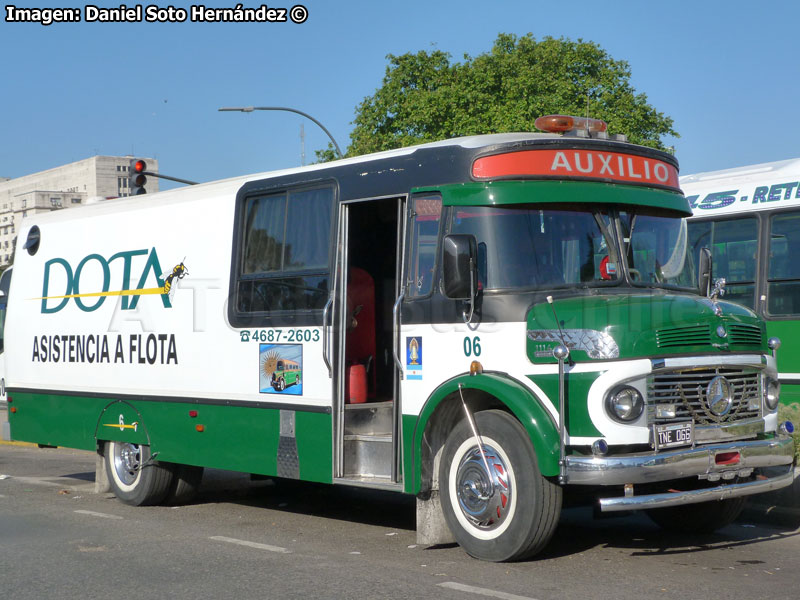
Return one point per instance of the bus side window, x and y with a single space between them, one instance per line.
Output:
285 256
426 215
783 276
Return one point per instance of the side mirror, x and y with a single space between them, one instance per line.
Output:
704 271
459 266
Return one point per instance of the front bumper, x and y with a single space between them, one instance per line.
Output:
701 462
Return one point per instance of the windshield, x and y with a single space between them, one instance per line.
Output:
534 247
655 250
555 245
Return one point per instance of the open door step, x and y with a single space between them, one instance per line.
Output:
369 419
368 456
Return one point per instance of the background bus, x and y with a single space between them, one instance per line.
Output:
750 219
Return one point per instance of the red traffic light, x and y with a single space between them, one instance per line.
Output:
138 177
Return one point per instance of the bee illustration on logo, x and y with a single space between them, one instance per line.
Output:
178 272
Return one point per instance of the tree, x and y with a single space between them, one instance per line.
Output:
425 97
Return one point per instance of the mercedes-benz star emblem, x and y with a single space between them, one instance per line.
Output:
719 396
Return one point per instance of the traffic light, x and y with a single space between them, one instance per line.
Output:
138 178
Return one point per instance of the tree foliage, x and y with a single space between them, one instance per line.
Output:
426 97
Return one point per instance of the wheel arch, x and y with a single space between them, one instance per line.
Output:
120 421
443 410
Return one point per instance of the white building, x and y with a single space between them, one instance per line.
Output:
67 186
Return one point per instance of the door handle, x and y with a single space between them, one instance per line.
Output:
325 341
396 316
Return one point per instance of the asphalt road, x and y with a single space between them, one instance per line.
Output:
279 539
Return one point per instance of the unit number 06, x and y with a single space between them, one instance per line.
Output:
472 346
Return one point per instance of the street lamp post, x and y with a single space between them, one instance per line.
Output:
248 109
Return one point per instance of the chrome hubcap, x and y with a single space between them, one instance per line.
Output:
484 500
127 462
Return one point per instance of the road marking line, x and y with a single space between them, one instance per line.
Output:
37 481
92 513
267 547
59 482
482 591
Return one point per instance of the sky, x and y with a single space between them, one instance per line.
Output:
727 72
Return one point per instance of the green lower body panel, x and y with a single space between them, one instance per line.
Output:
411 479
266 441
55 420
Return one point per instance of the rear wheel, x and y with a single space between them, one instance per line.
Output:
134 477
513 514
185 484
705 517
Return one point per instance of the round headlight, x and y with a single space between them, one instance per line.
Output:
624 404
772 394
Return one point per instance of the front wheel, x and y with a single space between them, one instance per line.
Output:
510 515
134 477
705 517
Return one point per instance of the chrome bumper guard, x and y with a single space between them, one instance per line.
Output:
700 462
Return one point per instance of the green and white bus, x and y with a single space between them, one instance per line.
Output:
750 219
517 312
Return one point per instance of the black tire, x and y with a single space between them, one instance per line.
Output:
705 517
134 477
526 504
185 484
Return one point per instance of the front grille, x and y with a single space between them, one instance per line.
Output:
686 392
745 334
674 337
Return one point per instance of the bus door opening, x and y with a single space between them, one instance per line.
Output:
370 289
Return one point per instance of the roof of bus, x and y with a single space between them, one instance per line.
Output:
395 164
231 185
744 189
